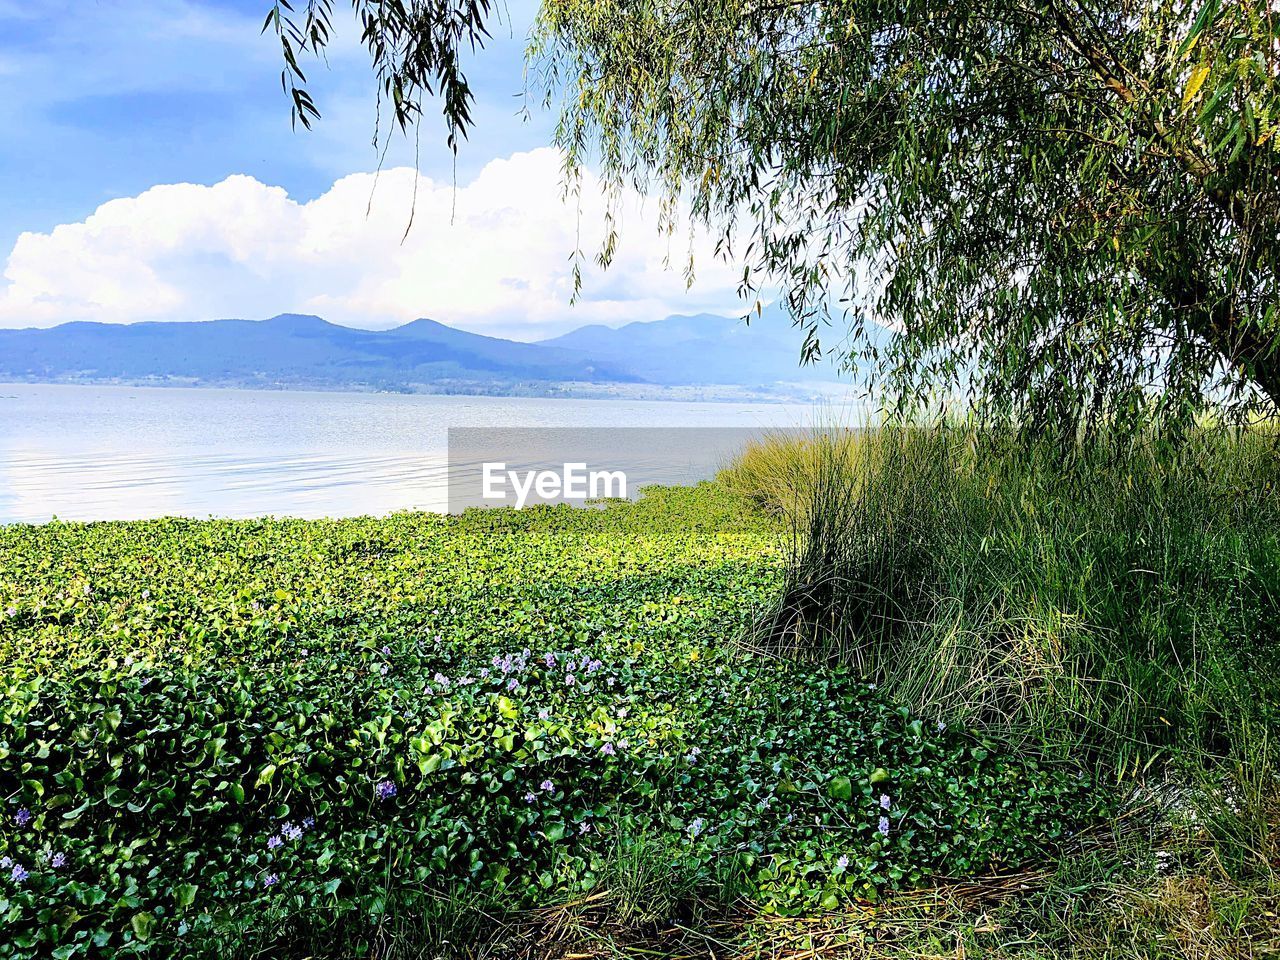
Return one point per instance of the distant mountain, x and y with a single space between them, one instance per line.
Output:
306 351
704 348
286 350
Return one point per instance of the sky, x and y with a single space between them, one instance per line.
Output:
150 172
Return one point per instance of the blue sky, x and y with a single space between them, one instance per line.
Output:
151 172
104 98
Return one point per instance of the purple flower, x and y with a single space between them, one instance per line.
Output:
608 750
884 826
530 796
386 651
549 660
58 860
386 790
11 611
569 680
22 817
544 713
383 670
308 823
270 880
19 873
484 673
6 863
693 754
274 842
291 832
885 802
843 863
695 828
585 828
513 685
546 786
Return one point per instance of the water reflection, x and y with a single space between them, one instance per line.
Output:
96 453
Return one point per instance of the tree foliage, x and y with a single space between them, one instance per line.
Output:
1065 210
416 47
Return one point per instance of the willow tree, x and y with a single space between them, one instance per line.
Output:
1063 210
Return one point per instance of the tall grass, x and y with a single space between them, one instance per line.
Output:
1118 604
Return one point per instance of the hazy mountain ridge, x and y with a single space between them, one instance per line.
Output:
423 355
702 348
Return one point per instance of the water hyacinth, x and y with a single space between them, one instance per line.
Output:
608 750
22 817
291 832
544 713
546 786
885 802
884 826
385 790
842 864
530 796
270 880
695 828
274 841
58 860
19 873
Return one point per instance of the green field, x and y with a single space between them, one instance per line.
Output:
386 736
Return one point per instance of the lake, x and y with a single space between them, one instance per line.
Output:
116 452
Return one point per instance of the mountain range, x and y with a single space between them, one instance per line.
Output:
301 351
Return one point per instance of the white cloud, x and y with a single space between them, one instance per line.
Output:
492 256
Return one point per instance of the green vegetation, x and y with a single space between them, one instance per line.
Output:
1119 606
897 693
387 737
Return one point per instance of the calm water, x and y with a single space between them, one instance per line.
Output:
106 453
